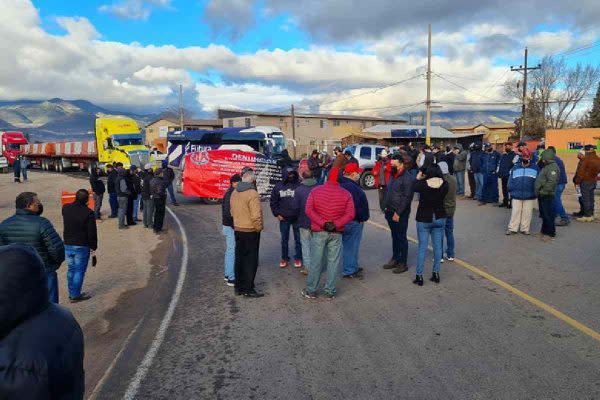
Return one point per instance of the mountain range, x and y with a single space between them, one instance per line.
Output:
58 119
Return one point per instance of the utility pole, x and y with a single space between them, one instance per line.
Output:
524 69
294 129
428 102
181 107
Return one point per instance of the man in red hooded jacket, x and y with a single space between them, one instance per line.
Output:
381 173
329 208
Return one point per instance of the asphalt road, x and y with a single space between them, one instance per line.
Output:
383 337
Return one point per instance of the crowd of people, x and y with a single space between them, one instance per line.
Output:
20 167
325 208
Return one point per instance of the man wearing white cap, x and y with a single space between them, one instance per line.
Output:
381 173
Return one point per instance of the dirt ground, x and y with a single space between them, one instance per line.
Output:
124 257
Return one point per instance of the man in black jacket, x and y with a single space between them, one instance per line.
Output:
123 188
148 214
158 190
41 344
397 210
98 188
81 241
28 227
112 190
169 178
136 191
228 232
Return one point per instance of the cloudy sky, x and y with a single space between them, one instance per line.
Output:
332 56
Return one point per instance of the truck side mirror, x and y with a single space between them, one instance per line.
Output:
105 145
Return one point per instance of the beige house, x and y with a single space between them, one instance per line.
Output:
156 132
492 133
312 131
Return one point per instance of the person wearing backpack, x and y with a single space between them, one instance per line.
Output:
158 190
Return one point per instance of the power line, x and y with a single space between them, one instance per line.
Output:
376 108
460 86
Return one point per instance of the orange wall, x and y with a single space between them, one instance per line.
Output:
559 138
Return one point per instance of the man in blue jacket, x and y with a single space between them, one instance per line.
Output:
521 187
302 192
27 226
285 209
507 161
489 168
562 183
354 229
475 164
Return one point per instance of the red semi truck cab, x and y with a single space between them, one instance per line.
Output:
11 143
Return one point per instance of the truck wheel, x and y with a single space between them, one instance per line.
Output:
211 200
367 180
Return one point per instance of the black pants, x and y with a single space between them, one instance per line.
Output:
472 185
159 213
587 198
505 194
382 190
548 214
129 213
246 260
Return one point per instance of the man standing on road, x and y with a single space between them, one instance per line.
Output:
228 232
580 156
460 165
353 230
129 177
27 226
586 179
81 241
475 162
381 173
284 209
24 165
521 187
158 190
450 208
397 210
545 189
507 162
98 189
302 193
314 164
136 183
329 208
111 187
169 178
489 168
148 212
123 189
559 209
42 344
17 169
248 224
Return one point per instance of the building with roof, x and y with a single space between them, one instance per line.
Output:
492 133
312 131
157 131
399 134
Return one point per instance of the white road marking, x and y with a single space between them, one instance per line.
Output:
146 363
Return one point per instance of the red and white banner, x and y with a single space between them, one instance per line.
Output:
206 173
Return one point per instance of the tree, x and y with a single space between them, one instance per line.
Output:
594 114
536 123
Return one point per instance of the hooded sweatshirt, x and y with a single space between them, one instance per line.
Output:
588 169
330 203
282 197
41 344
547 179
246 209
431 200
302 193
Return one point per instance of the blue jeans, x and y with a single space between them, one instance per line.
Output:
351 244
77 261
399 239
229 234
114 204
324 247
52 286
171 193
449 230
305 237
558 205
434 229
136 206
478 185
460 182
284 228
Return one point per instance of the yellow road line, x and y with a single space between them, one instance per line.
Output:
538 303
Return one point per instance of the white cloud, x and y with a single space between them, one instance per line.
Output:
163 75
133 9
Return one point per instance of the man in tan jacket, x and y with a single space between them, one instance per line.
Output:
248 223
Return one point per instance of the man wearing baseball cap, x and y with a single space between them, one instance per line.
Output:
353 230
521 186
586 179
381 173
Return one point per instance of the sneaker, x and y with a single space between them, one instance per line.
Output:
225 278
308 295
81 297
329 296
390 264
526 233
400 269
563 222
509 232
230 282
354 275
585 219
304 271
441 260
450 258
283 263
298 263
253 294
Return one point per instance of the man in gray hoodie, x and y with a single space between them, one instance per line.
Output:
460 165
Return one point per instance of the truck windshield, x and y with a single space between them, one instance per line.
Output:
126 141
279 144
14 146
